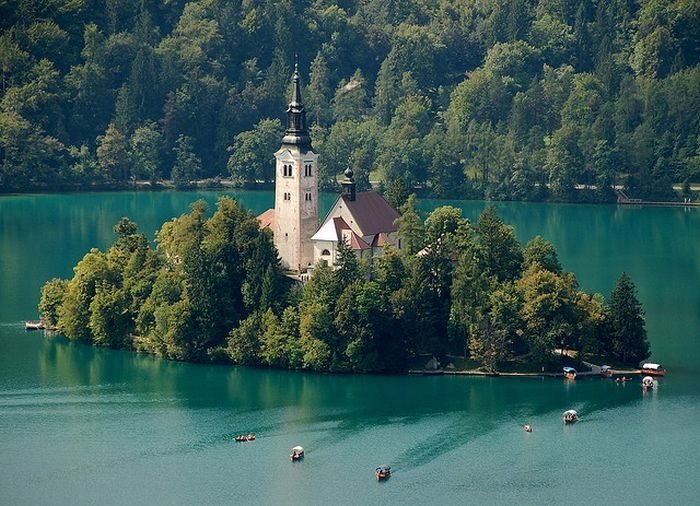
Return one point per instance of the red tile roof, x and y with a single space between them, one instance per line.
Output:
372 213
357 243
267 219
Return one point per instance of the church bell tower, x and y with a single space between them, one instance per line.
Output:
296 188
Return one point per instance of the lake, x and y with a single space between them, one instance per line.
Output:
82 425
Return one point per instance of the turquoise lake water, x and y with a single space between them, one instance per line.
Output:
81 425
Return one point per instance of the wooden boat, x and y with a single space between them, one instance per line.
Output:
647 383
245 437
651 369
570 416
570 373
297 453
382 472
606 371
30 325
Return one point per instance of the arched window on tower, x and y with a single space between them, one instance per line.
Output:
325 253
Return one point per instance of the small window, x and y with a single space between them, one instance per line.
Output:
325 253
307 197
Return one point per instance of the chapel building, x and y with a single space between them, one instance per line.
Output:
364 220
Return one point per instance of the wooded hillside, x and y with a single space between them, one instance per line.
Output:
506 99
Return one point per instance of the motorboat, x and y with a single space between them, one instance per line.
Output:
382 472
570 416
569 373
297 453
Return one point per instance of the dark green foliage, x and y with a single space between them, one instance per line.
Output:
499 252
52 295
625 319
213 291
504 100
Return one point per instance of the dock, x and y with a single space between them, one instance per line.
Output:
623 199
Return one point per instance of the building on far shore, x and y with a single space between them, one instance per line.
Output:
364 220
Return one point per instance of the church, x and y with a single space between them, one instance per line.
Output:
364 220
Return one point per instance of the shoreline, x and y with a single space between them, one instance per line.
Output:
474 372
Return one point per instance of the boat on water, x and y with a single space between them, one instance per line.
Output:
651 369
570 373
647 383
527 428
382 472
31 325
606 371
297 453
570 416
245 437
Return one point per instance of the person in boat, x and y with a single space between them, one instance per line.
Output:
528 428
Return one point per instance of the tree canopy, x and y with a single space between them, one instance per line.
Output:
212 290
524 100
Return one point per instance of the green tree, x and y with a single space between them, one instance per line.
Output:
52 295
626 322
350 101
187 166
243 344
410 227
251 157
539 251
145 147
499 251
113 154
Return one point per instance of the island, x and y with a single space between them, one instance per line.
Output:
213 290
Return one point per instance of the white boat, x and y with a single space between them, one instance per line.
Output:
647 383
30 325
569 373
651 369
570 416
296 453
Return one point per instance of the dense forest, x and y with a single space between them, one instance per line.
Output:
213 290
502 99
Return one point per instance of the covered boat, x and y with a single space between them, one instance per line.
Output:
30 325
606 371
569 373
382 472
296 453
651 369
570 416
647 383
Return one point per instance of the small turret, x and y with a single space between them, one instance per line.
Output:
349 185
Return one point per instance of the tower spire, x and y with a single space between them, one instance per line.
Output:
296 132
